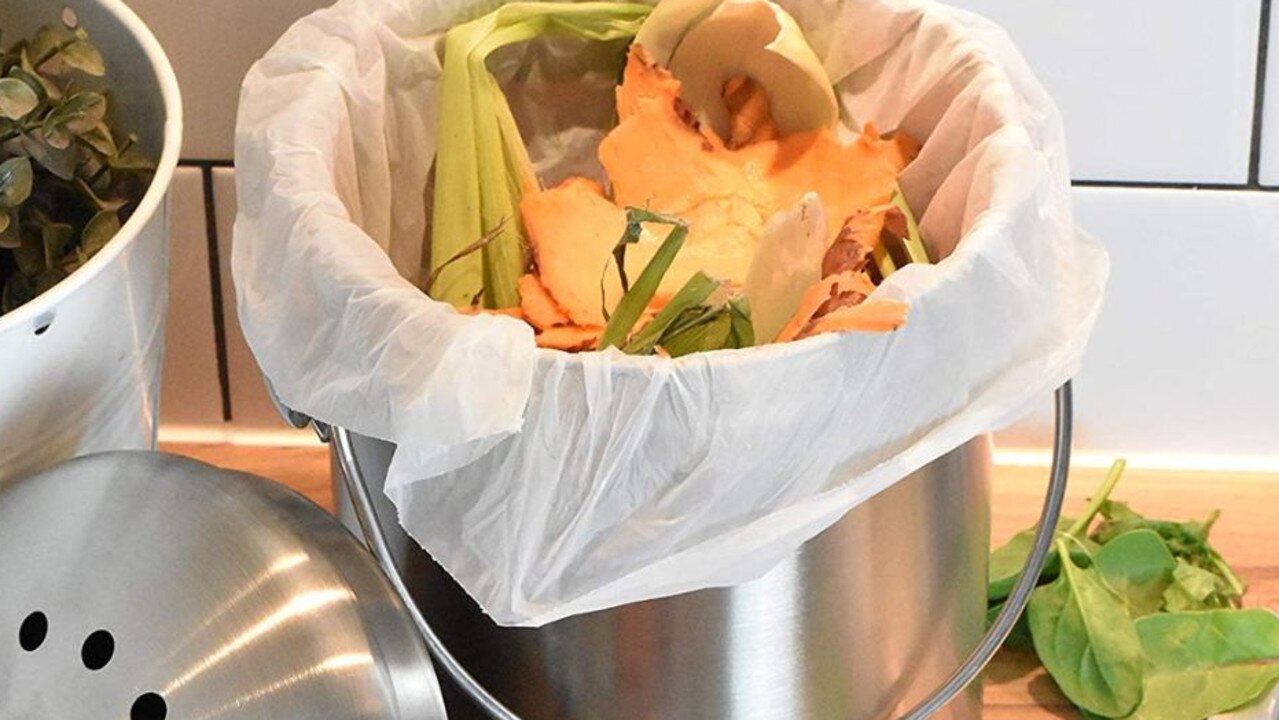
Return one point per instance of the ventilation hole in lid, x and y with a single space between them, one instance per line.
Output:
98 649
42 323
148 707
33 631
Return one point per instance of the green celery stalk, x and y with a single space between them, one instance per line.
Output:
482 166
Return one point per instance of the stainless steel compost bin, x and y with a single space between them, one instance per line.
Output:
145 586
881 616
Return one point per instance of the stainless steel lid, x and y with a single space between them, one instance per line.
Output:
147 586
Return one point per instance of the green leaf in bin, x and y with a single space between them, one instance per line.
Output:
743 332
710 333
690 297
631 306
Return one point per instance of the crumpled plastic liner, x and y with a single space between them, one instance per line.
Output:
551 484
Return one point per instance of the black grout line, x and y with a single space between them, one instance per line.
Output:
215 279
1171 185
1252 185
188 162
1259 96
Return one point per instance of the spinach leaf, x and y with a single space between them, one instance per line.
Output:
1019 637
1192 589
1200 664
1086 639
1138 565
1186 540
1007 561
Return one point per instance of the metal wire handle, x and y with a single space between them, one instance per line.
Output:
366 514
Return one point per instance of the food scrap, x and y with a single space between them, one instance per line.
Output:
719 203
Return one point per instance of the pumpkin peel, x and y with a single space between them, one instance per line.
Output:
571 338
537 305
663 158
873 316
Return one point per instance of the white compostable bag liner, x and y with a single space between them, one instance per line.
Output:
551 484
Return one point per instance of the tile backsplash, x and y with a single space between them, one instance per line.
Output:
1160 97
1155 90
211 44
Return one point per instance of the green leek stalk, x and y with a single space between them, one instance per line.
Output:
913 241
482 167
912 246
631 306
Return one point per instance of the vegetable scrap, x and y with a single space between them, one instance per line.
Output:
1141 618
741 209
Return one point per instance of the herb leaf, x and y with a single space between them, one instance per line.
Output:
15 182
17 99
99 231
82 55
77 114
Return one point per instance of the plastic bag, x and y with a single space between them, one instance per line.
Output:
550 484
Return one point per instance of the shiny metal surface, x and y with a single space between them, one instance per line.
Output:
223 594
866 621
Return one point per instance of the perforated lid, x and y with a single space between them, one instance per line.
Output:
147 586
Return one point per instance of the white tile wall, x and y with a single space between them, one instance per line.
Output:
1157 90
1185 358
211 44
190 393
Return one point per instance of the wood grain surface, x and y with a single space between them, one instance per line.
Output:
1016 688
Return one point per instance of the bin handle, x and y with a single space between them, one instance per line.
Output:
972 666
